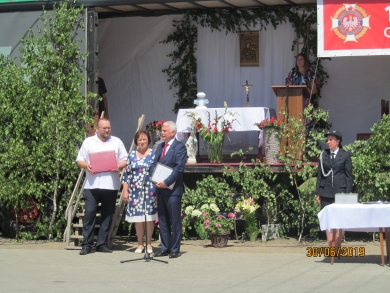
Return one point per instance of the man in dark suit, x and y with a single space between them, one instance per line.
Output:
171 153
334 172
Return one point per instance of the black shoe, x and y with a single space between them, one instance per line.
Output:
103 249
174 255
162 253
85 251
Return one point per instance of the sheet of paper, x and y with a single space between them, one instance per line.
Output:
161 172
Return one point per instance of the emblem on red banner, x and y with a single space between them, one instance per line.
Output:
350 22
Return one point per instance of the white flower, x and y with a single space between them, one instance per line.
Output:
214 207
204 207
196 116
252 209
229 116
196 213
189 210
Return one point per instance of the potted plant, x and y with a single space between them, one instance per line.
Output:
270 133
248 208
154 128
215 131
208 222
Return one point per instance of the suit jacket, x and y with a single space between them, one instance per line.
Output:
175 158
342 174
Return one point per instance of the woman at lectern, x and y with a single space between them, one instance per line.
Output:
301 74
334 174
139 192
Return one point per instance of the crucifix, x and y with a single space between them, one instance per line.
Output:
247 86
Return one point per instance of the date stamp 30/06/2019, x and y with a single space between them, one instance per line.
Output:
348 251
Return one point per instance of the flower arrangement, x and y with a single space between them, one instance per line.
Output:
155 126
214 133
248 207
269 123
208 221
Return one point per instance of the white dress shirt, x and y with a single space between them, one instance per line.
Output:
103 180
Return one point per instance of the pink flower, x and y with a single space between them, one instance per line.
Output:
218 225
151 193
181 214
156 221
205 214
133 203
158 226
207 221
231 215
206 227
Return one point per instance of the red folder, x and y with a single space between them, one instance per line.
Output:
103 161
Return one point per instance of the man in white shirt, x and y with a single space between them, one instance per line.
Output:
100 187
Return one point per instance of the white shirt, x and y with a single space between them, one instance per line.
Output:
104 180
169 145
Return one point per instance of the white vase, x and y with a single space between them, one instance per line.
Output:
192 148
156 138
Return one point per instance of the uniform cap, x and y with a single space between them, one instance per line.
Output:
335 133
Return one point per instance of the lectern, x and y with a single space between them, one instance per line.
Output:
291 99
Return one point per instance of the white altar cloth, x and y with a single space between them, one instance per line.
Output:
246 118
355 217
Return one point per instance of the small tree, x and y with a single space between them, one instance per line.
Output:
302 145
43 117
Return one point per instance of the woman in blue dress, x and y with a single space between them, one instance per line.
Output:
135 174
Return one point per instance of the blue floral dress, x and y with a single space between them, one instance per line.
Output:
135 171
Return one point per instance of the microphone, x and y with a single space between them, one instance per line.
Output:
287 82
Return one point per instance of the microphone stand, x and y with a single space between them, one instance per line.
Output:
147 256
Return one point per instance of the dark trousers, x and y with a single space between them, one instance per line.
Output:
92 198
169 219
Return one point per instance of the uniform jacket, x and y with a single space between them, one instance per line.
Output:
342 174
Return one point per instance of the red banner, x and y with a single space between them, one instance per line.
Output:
353 29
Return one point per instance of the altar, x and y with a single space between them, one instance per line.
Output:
240 136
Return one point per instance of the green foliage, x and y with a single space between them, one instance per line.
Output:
371 162
299 146
210 190
182 71
43 117
270 189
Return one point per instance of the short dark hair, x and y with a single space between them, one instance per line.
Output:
138 134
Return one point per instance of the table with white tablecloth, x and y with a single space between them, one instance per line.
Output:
357 217
246 119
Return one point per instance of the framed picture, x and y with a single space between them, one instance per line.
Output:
249 48
363 136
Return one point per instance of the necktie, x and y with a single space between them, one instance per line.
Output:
332 158
164 150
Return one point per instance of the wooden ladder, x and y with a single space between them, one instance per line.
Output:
73 210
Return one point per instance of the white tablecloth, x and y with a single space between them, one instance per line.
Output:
246 118
355 217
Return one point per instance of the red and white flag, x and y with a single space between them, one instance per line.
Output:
357 28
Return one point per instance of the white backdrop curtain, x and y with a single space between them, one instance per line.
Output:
131 60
